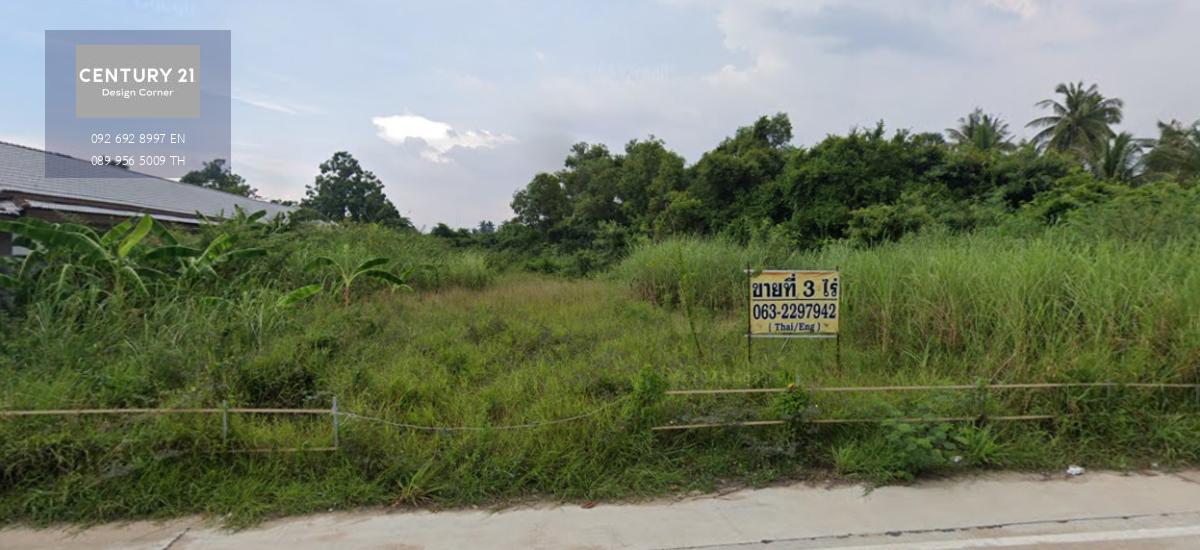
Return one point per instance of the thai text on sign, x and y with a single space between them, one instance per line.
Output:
785 303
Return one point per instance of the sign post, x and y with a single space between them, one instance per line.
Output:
792 304
749 306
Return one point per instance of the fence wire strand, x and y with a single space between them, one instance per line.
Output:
527 425
691 392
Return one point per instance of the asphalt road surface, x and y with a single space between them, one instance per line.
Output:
1096 510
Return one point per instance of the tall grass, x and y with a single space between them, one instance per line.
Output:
529 351
472 349
522 350
713 267
1036 308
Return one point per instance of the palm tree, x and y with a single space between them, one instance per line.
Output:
1119 159
1177 150
981 131
1080 124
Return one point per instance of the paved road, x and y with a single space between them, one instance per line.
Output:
1097 510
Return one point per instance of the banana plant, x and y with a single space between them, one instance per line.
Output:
11 282
243 221
346 271
111 254
298 295
202 262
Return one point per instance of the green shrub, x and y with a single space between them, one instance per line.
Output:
887 222
903 451
1157 212
920 447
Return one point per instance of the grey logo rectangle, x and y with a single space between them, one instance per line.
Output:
137 81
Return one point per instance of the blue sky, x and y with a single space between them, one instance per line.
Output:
455 105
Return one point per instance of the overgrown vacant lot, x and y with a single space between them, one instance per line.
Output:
473 350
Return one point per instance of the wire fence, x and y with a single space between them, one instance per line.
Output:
234 410
951 387
979 387
337 415
527 425
333 412
223 411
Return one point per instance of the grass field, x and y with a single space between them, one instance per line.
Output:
471 349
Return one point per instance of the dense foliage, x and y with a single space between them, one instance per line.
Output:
867 186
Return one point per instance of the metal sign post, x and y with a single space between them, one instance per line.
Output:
837 345
749 307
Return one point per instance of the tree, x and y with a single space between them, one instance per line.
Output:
845 173
1081 123
1119 158
345 192
879 223
1176 152
1023 175
590 181
982 131
442 230
725 179
215 174
680 213
648 172
457 237
542 204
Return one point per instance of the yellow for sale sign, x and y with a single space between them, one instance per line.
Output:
794 304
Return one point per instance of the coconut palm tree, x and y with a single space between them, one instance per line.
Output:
1119 159
981 131
1081 123
1177 150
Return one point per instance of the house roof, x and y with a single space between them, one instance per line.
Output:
22 170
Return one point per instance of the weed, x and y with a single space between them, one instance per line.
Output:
471 347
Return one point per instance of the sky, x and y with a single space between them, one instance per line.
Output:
456 105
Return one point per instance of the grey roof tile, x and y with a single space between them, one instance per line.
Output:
22 169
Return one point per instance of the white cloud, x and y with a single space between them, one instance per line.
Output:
438 137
